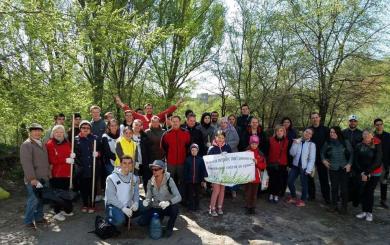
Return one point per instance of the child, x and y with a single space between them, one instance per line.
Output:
219 147
194 174
251 188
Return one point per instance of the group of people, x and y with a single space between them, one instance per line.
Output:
165 154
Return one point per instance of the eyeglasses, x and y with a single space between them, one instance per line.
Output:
156 169
85 128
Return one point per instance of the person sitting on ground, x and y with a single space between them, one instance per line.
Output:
122 193
162 197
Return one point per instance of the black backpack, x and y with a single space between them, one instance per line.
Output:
103 229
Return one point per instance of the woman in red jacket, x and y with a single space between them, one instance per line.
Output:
59 150
251 188
277 162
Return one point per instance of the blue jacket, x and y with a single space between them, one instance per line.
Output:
194 170
84 159
214 150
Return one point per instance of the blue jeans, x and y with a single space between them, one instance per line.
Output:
292 176
34 207
116 217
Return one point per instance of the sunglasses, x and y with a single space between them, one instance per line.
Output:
156 169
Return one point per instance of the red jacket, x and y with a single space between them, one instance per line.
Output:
175 143
260 165
278 151
57 158
146 118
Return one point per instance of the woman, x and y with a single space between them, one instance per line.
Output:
207 133
142 158
233 120
367 165
109 144
162 197
125 145
290 131
303 152
277 163
337 156
59 150
128 122
232 139
218 194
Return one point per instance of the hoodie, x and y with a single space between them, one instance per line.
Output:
121 190
155 195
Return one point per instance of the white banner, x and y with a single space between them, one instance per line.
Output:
230 168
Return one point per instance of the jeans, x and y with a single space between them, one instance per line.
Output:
116 217
294 172
34 207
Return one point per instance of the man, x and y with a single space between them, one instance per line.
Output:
108 116
214 119
175 143
122 193
59 119
320 135
77 120
195 133
148 111
253 128
385 142
35 164
244 119
352 133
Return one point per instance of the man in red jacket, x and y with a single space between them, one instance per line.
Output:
175 143
148 112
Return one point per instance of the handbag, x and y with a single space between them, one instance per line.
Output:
264 180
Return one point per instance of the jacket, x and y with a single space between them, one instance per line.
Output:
155 195
194 170
121 190
214 149
98 128
154 137
34 160
196 137
232 138
84 158
109 148
385 143
175 143
338 153
368 158
320 135
125 147
278 151
308 152
354 136
57 153
259 166
246 134
207 136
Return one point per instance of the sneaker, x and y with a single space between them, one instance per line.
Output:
84 209
98 198
31 226
213 213
361 215
67 214
234 194
271 198
300 203
220 212
91 210
291 200
369 217
276 199
384 205
42 222
59 217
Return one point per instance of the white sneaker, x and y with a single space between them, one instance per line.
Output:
271 198
67 214
98 198
361 215
369 217
59 217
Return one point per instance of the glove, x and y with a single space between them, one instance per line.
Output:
69 160
127 211
95 154
73 155
164 204
134 207
136 166
145 203
39 185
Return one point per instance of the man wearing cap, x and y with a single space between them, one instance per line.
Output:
352 133
162 197
35 164
122 193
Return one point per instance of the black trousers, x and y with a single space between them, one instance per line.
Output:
86 191
354 188
339 184
192 192
276 180
171 211
63 184
367 197
384 177
284 178
324 182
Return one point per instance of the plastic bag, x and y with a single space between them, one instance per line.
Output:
4 194
264 180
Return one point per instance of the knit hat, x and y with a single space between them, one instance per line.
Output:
85 122
254 139
194 146
35 126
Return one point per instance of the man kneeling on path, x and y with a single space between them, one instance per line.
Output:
122 193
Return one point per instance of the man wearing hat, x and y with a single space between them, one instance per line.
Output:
352 133
35 164
162 197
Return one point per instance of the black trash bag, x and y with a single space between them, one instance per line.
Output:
103 229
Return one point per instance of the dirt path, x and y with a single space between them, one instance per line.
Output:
273 224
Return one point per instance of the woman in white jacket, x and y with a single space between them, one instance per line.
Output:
303 152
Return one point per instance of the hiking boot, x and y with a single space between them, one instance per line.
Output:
384 205
300 203
59 217
362 215
213 213
369 217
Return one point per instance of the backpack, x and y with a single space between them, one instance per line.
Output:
168 185
103 229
